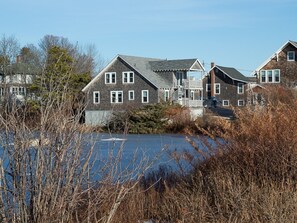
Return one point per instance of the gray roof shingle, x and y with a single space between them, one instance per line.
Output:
172 65
234 74
142 65
149 68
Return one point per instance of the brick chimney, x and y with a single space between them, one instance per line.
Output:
212 80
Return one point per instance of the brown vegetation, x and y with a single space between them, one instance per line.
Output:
250 178
247 175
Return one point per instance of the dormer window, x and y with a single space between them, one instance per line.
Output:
291 56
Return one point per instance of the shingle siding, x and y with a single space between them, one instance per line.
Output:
228 89
288 69
139 84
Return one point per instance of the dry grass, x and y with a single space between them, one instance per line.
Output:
252 178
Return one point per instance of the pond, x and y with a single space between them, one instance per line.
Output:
131 155
137 153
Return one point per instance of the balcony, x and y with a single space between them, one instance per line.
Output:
190 103
191 83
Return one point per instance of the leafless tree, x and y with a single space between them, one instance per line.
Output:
9 49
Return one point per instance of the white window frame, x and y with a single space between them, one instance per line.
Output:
278 76
18 90
239 102
226 103
192 95
240 88
110 78
208 88
292 54
142 96
117 94
219 88
129 95
166 95
128 77
264 73
96 97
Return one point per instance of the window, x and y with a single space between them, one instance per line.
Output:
96 97
263 76
131 95
217 88
110 78
276 76
116 96
1 91
240 102
270 76
240 88
291 56
192 95
225 102
179 78
166 95
18 90
128 77
208 87
145 96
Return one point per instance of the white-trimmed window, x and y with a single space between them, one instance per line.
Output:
240 102
208 87
263 76
192 95
240 88
144 96
270 76
96 97
18 90
276 76
225 103
166 95
116 96
110 78
291 55
131 95
217 88
128 77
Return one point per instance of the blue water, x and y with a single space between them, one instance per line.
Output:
134 154
129 156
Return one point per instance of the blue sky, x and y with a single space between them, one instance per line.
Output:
235 33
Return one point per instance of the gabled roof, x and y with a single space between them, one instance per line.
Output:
293 43
232 73
149 68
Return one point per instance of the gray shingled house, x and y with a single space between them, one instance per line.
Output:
130 82
226 86
280 67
